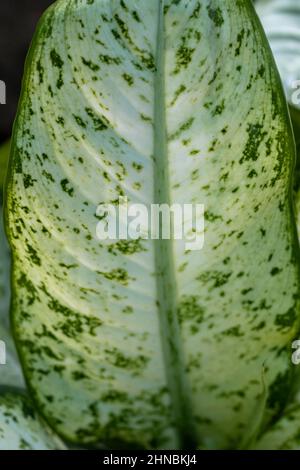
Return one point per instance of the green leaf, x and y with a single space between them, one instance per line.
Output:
5 257
145 344
10 373
284 435
4 273
21 428
280 19
4 153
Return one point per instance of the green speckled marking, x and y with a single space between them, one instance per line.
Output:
215 14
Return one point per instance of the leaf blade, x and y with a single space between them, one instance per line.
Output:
20 427
109 372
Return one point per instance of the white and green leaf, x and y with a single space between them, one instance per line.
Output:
146 343
284 435
280 19
4 153
10 373
4 250
20 426
4 271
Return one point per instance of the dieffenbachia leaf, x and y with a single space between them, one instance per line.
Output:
298 210
10 372
4 153
295 115
4 271
4 250
20 426
284 435
280 19
143 342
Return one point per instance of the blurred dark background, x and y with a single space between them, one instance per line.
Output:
18 19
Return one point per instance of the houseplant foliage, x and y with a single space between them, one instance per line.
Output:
280 20
10 375
20 426
281 23
144 343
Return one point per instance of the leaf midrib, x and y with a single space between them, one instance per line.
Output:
181 402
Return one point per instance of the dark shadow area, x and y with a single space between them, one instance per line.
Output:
18 20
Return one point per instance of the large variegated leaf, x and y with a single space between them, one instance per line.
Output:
144 342
280 19
4 250
4 152
10 373
298 209
295 115
20 426
284 435
281 22
4 271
